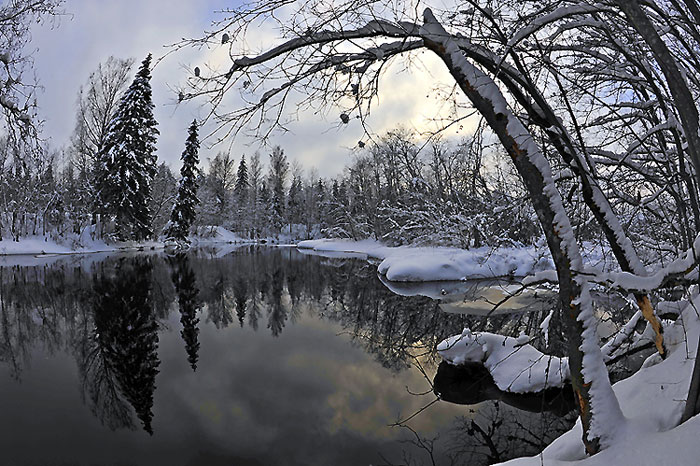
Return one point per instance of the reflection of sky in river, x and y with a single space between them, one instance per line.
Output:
122 330
306 397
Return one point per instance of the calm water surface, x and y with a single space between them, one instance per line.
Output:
252 356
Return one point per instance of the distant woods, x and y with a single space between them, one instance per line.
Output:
107 184
105 181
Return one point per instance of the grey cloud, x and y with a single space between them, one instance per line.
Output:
66 54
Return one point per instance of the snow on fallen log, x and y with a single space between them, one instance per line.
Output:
515 365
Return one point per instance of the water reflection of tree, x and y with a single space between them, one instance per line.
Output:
489 433
123 358
215 277
240 296
187 293
276 311
281 282
496 432
111 322
35 305
13 348
394 328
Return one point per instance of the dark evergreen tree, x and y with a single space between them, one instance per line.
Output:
242 222
241 188
188 300
184 211
128 160
294 202
277 179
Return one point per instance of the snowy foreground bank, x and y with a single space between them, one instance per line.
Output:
419 264
652 400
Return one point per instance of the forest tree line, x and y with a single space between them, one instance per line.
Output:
397 188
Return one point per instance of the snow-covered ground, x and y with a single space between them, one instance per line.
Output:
420 264
651 400
515 366
41 246
215 234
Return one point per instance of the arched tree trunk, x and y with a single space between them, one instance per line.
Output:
682 97
542 115
598 407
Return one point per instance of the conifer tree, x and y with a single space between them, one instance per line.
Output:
184 210
294 202
240 196
128 160
279 167
241 188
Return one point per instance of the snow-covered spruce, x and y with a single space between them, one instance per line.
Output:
127 160
184 211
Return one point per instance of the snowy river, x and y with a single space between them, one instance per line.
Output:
243 356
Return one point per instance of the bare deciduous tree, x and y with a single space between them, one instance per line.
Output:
577 87
17 90
97 101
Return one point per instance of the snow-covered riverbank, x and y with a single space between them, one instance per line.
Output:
652 401
419 264
85 244
41 245
400 264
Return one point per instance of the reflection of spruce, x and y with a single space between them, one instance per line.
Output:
188 299
240 294
294 281
254 311
217 304
277 313
126 333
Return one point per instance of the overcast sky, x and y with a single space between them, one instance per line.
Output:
67 52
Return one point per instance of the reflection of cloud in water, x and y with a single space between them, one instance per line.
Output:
320 392
482 301
303 392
